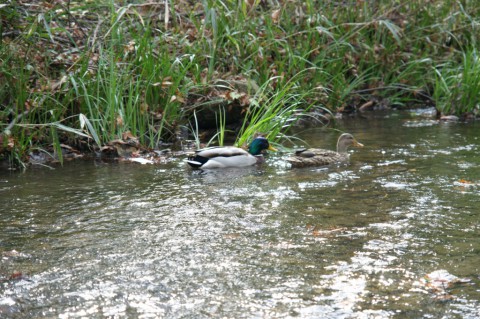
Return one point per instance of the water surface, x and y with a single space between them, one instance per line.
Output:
95 240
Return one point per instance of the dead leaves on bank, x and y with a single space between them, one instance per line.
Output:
65 37
6 143
129 149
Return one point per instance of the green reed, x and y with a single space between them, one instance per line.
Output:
139 71
456 87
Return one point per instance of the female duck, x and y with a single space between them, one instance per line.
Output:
229 156
321 157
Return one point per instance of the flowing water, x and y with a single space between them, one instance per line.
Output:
363 240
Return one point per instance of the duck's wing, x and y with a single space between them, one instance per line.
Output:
312 152
226 151
315 157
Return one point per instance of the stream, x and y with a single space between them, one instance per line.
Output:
392 234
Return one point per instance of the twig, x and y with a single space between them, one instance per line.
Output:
94 38
7 130
398 87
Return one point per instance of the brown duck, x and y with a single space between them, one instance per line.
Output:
321 157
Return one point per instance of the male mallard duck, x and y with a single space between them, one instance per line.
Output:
229 156
319 157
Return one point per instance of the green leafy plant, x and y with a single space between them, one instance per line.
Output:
456 87
105 68
272 113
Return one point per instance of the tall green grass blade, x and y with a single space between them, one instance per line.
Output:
56 143
394 30
85 122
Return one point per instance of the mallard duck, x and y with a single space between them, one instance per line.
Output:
229 156
320 157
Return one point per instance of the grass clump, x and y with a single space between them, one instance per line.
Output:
457 85
84 73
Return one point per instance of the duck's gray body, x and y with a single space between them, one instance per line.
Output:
230 156
220 157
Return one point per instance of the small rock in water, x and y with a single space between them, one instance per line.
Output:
439 281
140 160
452 118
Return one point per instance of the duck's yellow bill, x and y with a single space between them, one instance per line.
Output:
357 144
271 148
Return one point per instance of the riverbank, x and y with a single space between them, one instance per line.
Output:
85 77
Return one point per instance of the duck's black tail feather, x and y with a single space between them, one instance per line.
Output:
197 161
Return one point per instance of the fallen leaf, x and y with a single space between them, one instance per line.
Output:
233 95
167 82
128 136
276 15
179 96
16 275
119 121
129 47
11 143
56 85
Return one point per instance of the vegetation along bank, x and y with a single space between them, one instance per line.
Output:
124 77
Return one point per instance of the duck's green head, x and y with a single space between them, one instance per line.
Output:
258 145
